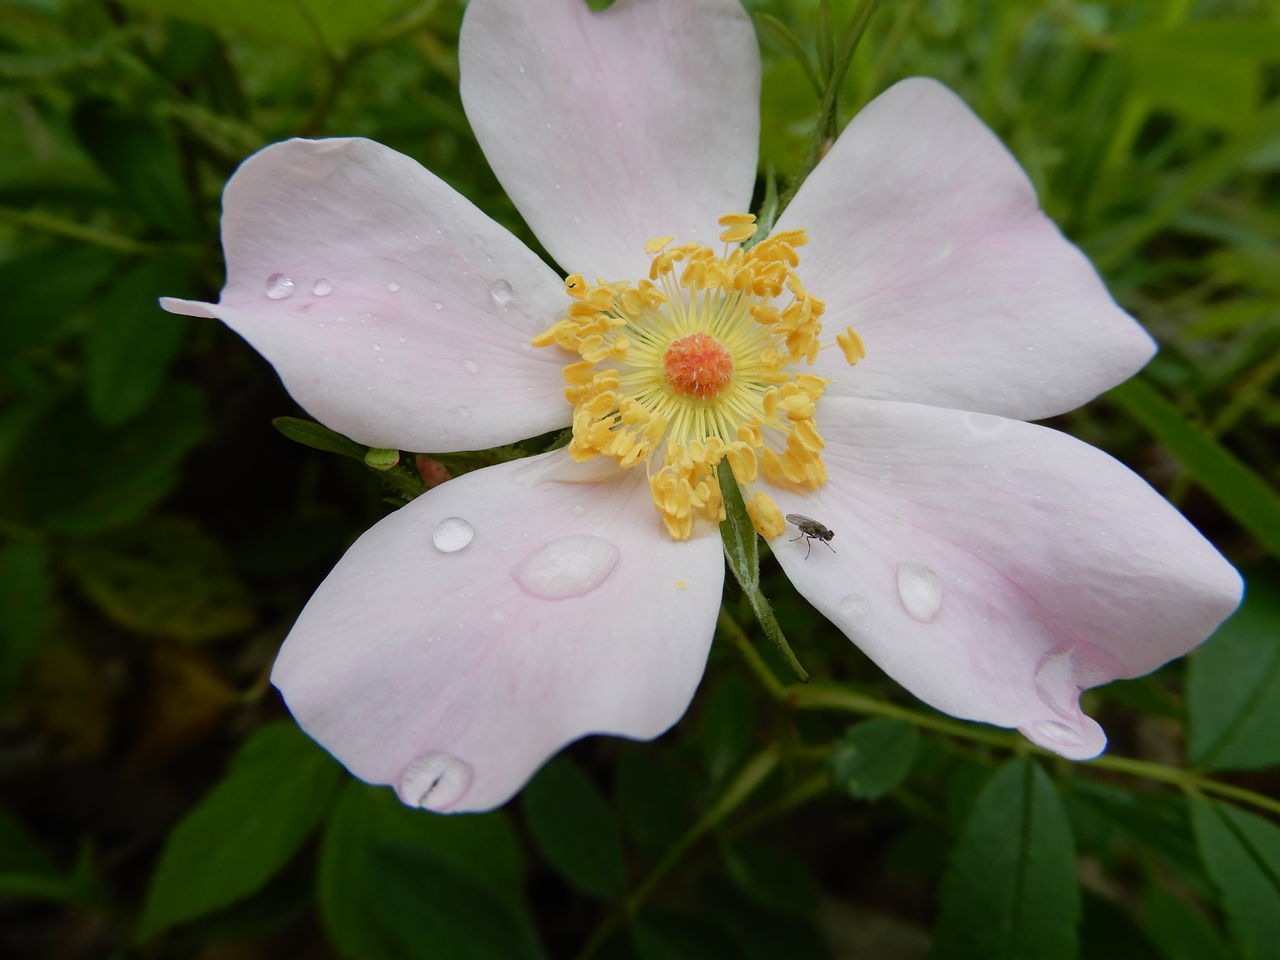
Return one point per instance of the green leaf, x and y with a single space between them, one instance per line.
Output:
653 797
311 434
163 577
1108 932
396 882
131 341
324 24
44 288
773 878
69 475
576 829
1154 822
138 154
1233 686
728 722
1010 888
276 791
1218 89
672 937
873 757
26 595
781 34
1241 852
1179 931
26 870
1236 488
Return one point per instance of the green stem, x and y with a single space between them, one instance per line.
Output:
753 773
818 696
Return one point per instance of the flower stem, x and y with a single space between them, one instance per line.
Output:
822 696
753 773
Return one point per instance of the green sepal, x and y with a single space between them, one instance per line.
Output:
742 553
313 435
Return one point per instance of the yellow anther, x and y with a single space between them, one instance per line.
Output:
765 515
852 345
695 365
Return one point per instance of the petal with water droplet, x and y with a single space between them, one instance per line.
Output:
408 659
1033 566
351 222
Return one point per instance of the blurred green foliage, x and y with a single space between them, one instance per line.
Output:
157 536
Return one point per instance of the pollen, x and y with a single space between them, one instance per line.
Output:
702 362
698 365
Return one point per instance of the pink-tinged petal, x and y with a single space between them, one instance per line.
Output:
926 237
608 129
468 636
996 568
394 311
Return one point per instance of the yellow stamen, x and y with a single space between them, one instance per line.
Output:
694 365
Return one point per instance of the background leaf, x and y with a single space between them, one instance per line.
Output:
575 828
1010 888
247 828
1233 685
396 882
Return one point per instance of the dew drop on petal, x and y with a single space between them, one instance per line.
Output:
567 567
393 287
322 287
437 305
578 510
985 423
279 287
471 366
854 604
500 290
434 781
497 615
452 534
920 590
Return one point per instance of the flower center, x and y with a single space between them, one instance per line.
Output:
692 366
698 365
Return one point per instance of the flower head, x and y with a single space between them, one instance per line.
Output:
993 567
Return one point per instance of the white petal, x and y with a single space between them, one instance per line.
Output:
926 237
394 311
470 635
995 568
608 129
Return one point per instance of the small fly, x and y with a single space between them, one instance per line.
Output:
811 530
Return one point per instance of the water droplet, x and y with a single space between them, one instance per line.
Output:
452 534
497 615
920 590
463 413
437 305
471 366
393 287
1057 732
402 340
381 359
500 291
1055 681
377 346
322 287
854 604
578 510
567 567
477 241
279 287
434 781
985 422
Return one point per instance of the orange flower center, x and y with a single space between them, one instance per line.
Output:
698 365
